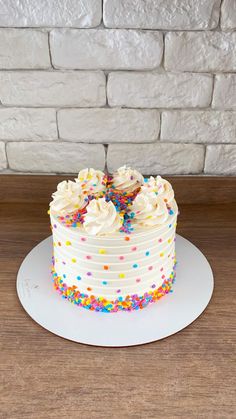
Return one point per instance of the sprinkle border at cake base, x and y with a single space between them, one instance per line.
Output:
101 304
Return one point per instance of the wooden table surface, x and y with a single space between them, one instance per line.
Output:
188 375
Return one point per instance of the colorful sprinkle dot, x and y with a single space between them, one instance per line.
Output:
79 278
150 268
59 243
161 254
68 243
73 260
160 240
138 280
83 239
147 253
169 240
88 257
135 265
104 282
134 248
128 303
121 257
105 267
121 275
127 238
64 275
102 251
89 273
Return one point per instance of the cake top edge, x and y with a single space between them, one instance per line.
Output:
102 204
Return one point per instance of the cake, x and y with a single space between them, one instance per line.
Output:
114 239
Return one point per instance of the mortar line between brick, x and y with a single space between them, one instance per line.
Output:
213 89
49 50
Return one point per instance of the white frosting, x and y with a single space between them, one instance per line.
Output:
161 187
99 259
127 179
102 217
112 266
68 198
149 209
91 180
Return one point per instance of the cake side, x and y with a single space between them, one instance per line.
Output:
123 269
121 265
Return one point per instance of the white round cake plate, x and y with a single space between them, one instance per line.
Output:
192 292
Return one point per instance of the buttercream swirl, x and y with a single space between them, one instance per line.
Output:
68 198
160 187
149 209
91 180
102 217
127 179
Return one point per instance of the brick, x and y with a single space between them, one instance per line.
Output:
106 49
3 159
53 13
23 49
159 14
228 15
199 126
27 124
220 160
157 158
54 157
48 88
200 51
224 92
167 90
108 125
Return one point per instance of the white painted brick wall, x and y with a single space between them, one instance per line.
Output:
109 125
54 157
221 159
28 124
158 158
23 48
106 49
200 51
224 92
3 158
228 14
44 88
103 83
155 90
159 14
199 126
30 13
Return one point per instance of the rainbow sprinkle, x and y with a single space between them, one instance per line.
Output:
101 304
121 199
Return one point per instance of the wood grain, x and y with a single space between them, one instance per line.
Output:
194 189
188 375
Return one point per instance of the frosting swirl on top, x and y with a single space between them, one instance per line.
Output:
91 180
102 217
149 209
68 198
160 187
127 179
